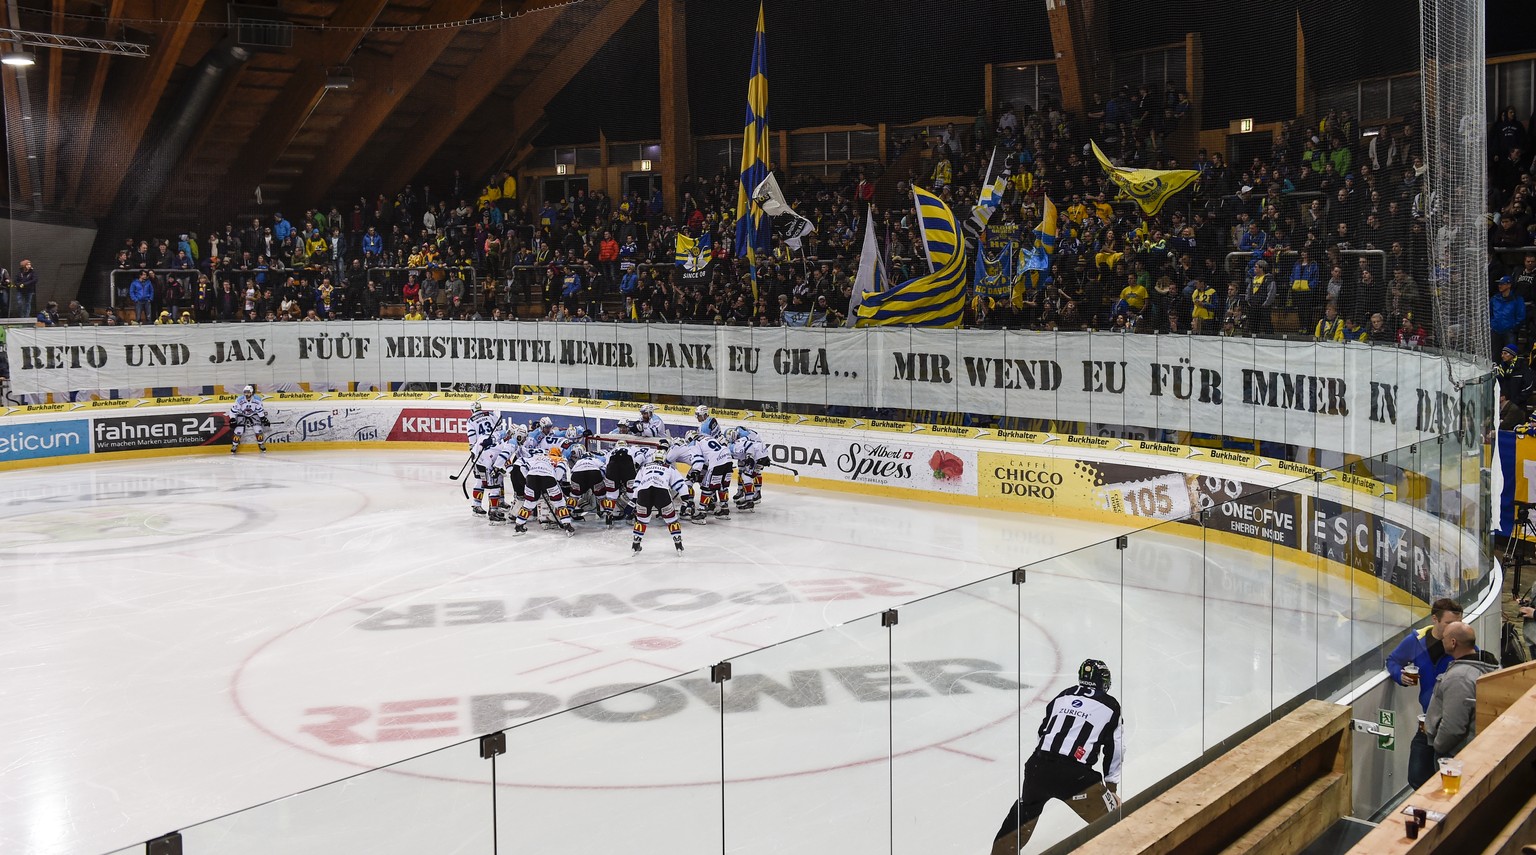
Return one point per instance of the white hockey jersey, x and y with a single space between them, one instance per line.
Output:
247 410
543 464
680 452
659 475
480 424
591 462
652 427
749 450
709 453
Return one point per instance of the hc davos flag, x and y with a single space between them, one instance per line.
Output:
935 300
693 255
1035 263
1150 188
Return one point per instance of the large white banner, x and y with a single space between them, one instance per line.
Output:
1351 398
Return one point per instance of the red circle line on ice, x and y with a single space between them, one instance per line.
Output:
239 691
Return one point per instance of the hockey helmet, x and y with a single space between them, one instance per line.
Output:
248 390
576 453
647 410
546 423
660 457
732 434
664 443
475 407
691 437
519 432
701 412
1093 672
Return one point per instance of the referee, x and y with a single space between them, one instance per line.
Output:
1082 727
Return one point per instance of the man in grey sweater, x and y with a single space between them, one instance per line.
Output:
1451 720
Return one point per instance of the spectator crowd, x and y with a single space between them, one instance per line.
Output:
1320 236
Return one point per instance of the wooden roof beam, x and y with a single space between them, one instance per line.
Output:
112 161
87 128
292 106
465 95
527 111
384 83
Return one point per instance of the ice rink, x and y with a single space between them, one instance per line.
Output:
186 637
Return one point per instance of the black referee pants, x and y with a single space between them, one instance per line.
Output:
1046 777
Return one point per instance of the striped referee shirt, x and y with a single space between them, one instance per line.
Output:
1083 723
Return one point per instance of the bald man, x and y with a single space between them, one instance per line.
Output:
1452 721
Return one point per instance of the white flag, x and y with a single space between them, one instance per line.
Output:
870 278
768 195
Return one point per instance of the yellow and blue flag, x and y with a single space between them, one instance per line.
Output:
1034 267
693 255
1149 188
934 300
752 232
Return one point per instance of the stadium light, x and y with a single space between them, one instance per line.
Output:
339 78
18 58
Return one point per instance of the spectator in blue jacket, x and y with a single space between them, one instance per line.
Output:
1424 649
1506 314
142 293
373 247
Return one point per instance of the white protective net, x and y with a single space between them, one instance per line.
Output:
1453 190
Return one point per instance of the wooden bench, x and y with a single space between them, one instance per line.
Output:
1274 793
1493 812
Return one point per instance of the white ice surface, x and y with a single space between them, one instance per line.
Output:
183 638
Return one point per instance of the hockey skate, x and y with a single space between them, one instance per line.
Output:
570 530
635 545
723 512
677 543
496 516
519 527
476 509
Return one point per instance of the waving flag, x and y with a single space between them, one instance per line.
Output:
934 300
1150 188
751 232
1035 263
991 196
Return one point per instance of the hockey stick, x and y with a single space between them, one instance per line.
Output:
462 469
791 470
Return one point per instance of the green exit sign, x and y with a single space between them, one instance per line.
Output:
1386 719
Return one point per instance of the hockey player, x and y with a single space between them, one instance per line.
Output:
481 424
708 425
496 459
541 437
618 477
710 468
545 473
248 413
1082 727
587 479
648 425
656 485
517 464
751 456
677 452
479 475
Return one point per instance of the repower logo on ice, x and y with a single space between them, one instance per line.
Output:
422 425
44 439
549 663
